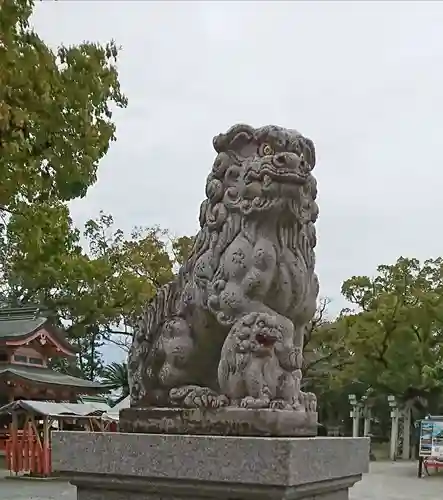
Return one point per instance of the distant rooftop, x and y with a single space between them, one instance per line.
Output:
45 408
20 321
24 311
48 377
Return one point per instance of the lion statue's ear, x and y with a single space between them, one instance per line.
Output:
309 151
203 209
234 139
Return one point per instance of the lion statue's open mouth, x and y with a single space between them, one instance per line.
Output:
283 168
265 340
269 174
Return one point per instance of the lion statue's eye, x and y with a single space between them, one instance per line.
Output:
266 150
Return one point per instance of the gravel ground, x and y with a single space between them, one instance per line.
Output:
386 481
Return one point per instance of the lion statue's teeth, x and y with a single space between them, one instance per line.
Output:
267 180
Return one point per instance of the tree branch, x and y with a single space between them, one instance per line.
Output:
120 344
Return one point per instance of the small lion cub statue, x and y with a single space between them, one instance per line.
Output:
250 373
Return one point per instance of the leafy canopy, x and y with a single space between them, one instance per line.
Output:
55 111
115 376
96 288
396 333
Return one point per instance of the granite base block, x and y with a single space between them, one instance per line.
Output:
219 422
117 466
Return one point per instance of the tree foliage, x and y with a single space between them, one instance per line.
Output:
325 357
389 341
181 248
55 112
55 126
324 348
395 334
115 376
96 288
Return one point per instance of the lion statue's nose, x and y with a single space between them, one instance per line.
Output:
280 160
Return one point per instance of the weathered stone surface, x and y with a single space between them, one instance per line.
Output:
221 421
92 490
386 481
229 330
145 466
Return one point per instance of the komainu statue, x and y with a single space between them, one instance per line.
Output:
229 330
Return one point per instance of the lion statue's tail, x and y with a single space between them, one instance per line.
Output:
146 332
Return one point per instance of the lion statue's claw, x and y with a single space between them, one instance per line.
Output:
194 396
255 403
279 404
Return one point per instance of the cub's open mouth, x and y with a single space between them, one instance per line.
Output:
265 340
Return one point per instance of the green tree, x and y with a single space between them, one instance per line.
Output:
89 362
55 126
181 248
55 112
115 376
38 247
135 268
325 357
96 290
395 334
42 262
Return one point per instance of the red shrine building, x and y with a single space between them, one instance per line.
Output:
28 340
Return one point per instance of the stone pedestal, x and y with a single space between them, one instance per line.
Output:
221 422
118 466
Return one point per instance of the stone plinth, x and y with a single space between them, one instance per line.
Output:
117 466
219 422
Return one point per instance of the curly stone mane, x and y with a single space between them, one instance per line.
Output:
218 228
220 224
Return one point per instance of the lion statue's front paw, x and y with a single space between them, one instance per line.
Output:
194 396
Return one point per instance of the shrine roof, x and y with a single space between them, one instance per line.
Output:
15 327
20 322
48 377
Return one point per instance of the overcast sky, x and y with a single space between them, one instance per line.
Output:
364 80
